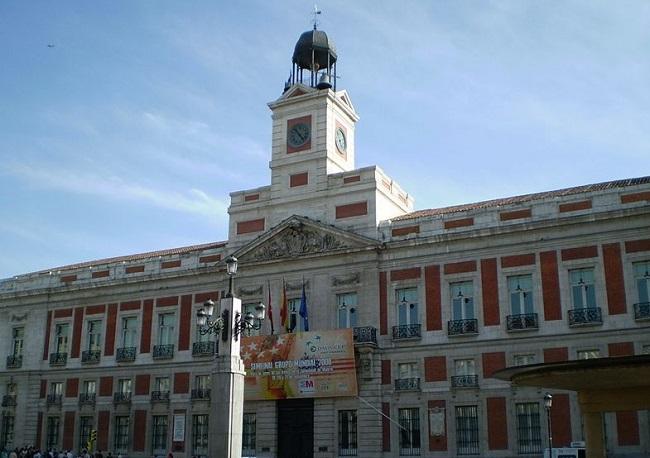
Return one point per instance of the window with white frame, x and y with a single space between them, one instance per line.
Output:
407 371
520 290
62 332
159 427
248 434
462 300
202 382
529 434
409 434
161 384
591 353
17 339
95 335
56 388
524 359
85 426
642 280
464 367
121 435
124 386
166 326
89 387
199 435
52 435
346 304
407 306
347 433
583 291
467 442
129 331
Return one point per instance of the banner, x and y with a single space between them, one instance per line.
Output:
300 365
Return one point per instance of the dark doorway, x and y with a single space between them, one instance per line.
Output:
296 428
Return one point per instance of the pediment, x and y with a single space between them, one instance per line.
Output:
296 90
299 236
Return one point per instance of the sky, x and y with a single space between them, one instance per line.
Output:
124 125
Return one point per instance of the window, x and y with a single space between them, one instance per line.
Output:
462 301
94 335
89 387
62 331
85 425
202 382
250 308
248 435
645 349
7 436
407 306
409 434
161 384
296 321
18 335
12 389
159 433
129 331
407 371
166 323
346 304
524 360
467 430
520 289
124 386
121 438
464 367
56 388
205 337
199 435
583 291
529 437
52 438
347 433
589 354
642 280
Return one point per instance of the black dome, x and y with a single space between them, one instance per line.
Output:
322 46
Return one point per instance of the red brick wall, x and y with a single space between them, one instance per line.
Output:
584 252
614 279
72 388
145 335
454 223
139 427
101 274
186 323
490 288
493 362
254 225
635 197
200 298
438 443
181 382
142 384
460 267
130 305
134 269
550 286
383 304
516 214
48 327
68 278
435 369
385 427
433 298
170 264
103 418
68 430
405 274
76 331
210 258
167 301
556 355
621 349
574 206
627 427
95 309
518 260
386 378
251 197
298 179
497 423
634 246
350 210
63 313
399 231
106 386
561 420
351 179
109 342
43 391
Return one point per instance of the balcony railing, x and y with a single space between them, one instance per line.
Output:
523 322
54 399
58 359
87 399
201 393
365 335
160 396
203 348
641 311
125 354
464 381
588 316
163 351
14 362
122 398
9 400
407 384
462 327
407 331
91 356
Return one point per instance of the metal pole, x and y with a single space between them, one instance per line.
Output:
550 433
229 286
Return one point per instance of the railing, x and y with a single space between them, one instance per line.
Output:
160 396
125 354
87 399
203 348
585 316
365 334
122 398
91 356
201 393
464 381
407 384
58 359
407 331
642 311
522 322
462 327
163 351
9 400
14 362
54 399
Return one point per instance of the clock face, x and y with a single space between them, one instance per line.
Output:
298 135
341 141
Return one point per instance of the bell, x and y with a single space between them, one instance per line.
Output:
324 82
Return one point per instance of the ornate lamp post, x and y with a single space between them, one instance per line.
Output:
548 403
226 419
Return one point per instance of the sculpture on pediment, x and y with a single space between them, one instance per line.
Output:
297 240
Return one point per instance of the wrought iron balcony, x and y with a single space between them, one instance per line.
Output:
14 362
523 322
365 335
407 384
58 359
462 327
87 399
163 351
9 400
464 381
407 331
201 393
54 399
203 348
588 316
641 311
160 396
91 356
125 354
122 398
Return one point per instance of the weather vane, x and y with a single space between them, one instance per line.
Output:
316 13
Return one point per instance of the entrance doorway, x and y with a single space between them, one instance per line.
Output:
296 428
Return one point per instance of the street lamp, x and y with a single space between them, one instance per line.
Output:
231 270
207 325
548 403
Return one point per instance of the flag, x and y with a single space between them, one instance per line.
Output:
303 308
270 307
283 308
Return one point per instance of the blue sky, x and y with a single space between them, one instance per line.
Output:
129 133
